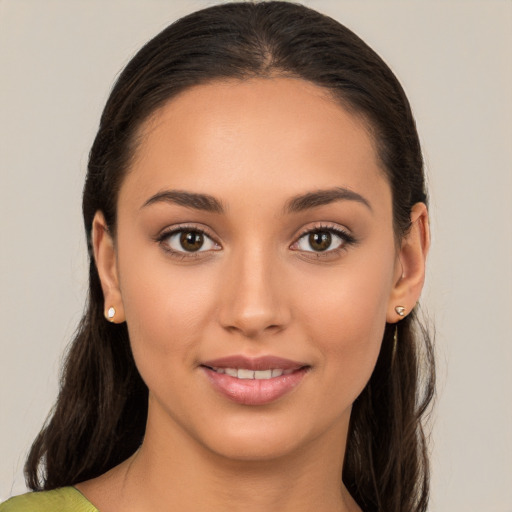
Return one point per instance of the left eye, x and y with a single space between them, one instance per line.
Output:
321 240
189 240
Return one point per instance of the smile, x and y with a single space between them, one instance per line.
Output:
244 373
254 381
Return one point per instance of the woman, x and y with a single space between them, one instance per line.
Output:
256 218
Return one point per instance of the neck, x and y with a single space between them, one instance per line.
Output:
173 471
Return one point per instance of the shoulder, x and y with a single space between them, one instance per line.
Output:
65 499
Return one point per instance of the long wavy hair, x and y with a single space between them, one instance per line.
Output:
99 417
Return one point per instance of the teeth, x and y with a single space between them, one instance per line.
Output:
263 374
232 372
243 373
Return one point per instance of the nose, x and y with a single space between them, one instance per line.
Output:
253 297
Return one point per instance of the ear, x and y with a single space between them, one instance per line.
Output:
106 263
410 265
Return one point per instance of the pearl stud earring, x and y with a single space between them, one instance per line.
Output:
111 313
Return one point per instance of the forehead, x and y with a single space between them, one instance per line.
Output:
259 135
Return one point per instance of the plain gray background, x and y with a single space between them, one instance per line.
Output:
58 59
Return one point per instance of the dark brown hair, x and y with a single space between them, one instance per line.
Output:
99 418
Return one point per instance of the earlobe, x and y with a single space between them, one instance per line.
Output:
106 263
410 274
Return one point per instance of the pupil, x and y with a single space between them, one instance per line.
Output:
320 241
191 240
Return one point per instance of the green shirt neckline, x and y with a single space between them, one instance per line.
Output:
64 499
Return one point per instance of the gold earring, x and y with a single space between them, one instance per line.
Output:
111 313
400 310
395 343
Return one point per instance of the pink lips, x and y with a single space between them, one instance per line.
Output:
254 391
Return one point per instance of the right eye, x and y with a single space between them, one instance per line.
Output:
187 240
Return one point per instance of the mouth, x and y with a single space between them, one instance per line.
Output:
245 373
254 381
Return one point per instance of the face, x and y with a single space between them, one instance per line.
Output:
255 264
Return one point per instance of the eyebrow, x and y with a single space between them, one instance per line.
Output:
193 200
322 197
302 202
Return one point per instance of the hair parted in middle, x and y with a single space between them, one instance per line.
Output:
99 418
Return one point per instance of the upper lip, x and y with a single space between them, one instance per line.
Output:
254 363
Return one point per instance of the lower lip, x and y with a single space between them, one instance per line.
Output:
254 391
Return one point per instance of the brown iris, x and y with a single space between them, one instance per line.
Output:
191 240
320 240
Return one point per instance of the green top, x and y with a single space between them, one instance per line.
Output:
65 499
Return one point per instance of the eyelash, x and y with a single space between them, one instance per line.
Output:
182 255
346 238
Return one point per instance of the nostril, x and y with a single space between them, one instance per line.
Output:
252 310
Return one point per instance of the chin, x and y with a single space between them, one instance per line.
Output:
263 438
260 448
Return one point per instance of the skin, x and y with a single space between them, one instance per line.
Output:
257 288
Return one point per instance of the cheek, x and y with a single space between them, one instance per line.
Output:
165 309
347 318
